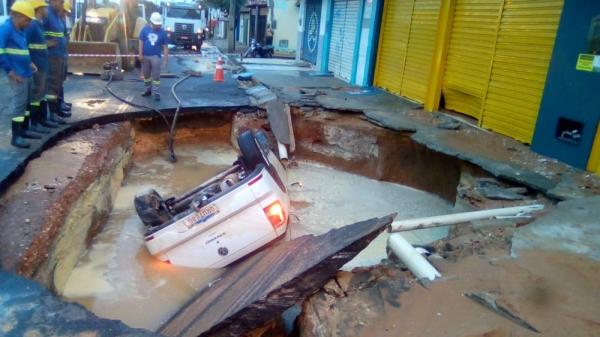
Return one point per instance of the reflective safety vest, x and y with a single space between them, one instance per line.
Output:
14 52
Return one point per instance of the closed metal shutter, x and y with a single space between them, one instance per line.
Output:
523 51
395 29
406 47
419 53
343 37
470 55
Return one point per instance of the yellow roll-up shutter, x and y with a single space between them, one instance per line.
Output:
393 42
522 55
419 54
470 55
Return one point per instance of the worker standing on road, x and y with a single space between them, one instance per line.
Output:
38 50
153 43
66 16
54 31
16 64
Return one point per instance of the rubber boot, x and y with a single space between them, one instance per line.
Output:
17 129
45 116
60 111
53 116
35 120
26 133
64 106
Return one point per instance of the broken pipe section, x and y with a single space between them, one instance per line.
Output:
413 260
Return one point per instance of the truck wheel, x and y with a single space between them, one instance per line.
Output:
251 153
150 208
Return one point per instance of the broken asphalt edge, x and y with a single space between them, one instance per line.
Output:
19 165
238 317
421 135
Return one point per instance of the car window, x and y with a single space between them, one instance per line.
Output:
184 13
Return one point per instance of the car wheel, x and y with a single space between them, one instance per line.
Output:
150 208
251 153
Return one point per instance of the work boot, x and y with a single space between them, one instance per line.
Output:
45 116
25 132
54 114
156 96
59 111
146 93
17 129
64 106
35 120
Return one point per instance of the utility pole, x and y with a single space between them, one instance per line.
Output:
231 26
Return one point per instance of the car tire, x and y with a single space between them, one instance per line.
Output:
150 208
251 153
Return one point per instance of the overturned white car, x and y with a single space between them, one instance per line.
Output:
224 218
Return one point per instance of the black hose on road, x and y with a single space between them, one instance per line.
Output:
171 141
148 108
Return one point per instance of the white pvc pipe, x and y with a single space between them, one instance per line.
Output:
450 219
413 260
283 154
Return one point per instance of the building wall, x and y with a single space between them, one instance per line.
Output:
570 101
285 37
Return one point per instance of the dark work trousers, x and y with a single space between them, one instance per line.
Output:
56 77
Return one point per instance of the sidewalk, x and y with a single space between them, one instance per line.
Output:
503 157
93 104
222 45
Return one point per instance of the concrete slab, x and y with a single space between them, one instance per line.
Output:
359 100
572 227
93 104
262 286
294 78
396 121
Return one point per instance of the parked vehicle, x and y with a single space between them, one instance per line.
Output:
258 50
223 219
184 24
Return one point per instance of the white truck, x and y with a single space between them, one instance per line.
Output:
223 219
184 23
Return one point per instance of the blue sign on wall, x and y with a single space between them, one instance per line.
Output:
570 108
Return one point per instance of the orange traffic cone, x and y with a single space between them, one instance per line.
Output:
219 77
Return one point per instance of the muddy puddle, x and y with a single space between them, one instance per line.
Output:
117 278
324 198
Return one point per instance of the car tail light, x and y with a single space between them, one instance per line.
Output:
276 214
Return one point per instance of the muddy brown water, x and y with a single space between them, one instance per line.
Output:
118 279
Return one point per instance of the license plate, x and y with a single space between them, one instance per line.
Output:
184 37
202 215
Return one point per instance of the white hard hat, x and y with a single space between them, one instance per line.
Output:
156 18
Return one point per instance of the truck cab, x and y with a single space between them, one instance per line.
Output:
184 24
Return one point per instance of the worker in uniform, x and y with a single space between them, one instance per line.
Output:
17 66
66 16
54 31
38 50
153 43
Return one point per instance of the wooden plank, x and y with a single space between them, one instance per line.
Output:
262 286
280 120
